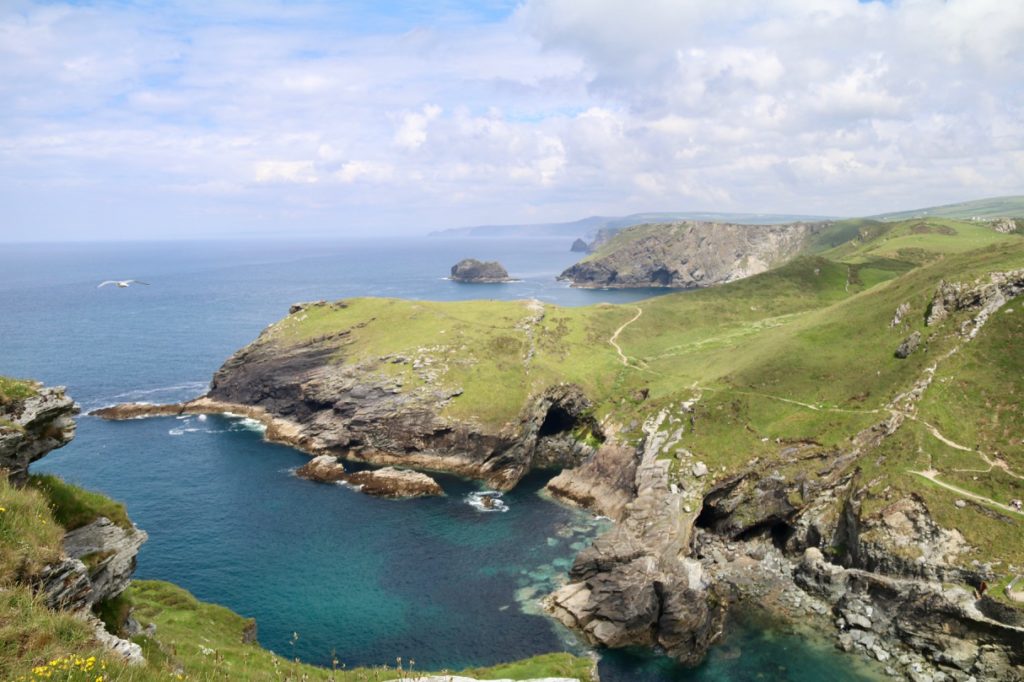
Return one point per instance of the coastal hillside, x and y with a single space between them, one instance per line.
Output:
700 254
849 416
984 209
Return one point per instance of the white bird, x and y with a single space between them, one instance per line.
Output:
122 283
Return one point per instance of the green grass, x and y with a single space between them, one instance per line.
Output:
29 536
996 207
74 507
14 390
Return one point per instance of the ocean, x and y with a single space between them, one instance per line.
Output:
326 571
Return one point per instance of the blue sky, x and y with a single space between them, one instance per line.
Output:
185 119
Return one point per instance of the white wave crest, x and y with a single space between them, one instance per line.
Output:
487 501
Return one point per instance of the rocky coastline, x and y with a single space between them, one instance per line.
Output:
686 255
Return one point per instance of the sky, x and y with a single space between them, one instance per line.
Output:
124 120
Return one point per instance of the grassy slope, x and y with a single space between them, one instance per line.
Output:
815 331
996 207
194 640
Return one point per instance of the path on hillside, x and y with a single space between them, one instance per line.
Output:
992 463
614 337
932 475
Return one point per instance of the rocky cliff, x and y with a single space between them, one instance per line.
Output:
688 254
33 426
98 558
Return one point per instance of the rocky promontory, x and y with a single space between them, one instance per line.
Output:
474 271
688 254
385 482
34 426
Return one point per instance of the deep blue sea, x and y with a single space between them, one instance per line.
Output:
434 580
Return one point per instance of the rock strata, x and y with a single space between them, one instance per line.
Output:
109 551
635 586
32 427
480 272
689 254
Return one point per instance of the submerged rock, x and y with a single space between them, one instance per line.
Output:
473 270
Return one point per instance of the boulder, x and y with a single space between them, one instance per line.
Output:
473 270
323 468
908 346
395 483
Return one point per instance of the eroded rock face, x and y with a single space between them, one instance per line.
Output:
981 296
604 482
634 586
109 552
41 423
691 254
482 272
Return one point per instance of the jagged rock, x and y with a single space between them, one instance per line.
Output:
579 246
985 297
908 346
473 270
322 468
65 586
395 483
1004 225
690 254
901 313
42 423
604 482
109 551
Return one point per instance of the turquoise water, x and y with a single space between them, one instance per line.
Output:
366 579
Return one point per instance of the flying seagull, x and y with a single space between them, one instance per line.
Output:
122 283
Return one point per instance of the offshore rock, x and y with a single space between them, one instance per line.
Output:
481 272
579 246
395 483
322 468
689 254
386 482
41 423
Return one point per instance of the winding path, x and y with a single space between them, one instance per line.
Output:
932 476
614 337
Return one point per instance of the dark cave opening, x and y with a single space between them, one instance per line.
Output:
557 420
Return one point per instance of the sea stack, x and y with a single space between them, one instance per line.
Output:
480 272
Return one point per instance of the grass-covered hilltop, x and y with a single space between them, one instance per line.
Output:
69 609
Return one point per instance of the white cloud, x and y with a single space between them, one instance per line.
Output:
563 109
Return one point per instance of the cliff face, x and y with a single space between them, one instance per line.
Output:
32 427
97 559
688 254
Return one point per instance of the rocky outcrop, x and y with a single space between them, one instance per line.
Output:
908 346
605 482
323 469
981 298
329 408
395 483
635 586
1005 225
479 272
109 553
579 246
32 427
689 254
